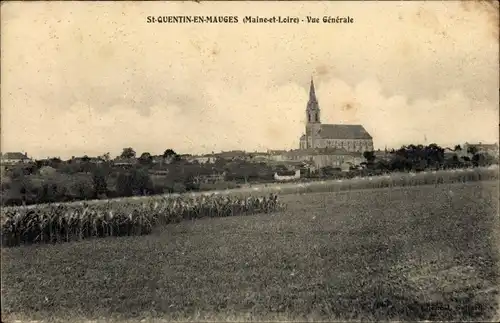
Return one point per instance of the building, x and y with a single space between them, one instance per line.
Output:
277 155
202 159
124 162
14 158
86 159
352 138
232 155
490 149
210 179
325 157
259 157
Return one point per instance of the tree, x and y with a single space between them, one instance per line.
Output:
146 159
434 155
458 148
135 182
128 153
124 184
141 182
169 153
99 181
55 162
472 150
369 156
106 156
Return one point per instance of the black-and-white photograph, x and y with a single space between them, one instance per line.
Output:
250 161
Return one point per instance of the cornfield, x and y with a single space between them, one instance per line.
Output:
64 222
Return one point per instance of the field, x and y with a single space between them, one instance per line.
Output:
408 253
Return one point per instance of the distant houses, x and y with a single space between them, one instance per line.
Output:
323 157
202 159
13 158
211 178
309 158
125 162
86 159
490 149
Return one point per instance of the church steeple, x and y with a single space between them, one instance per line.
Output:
312 92
312 110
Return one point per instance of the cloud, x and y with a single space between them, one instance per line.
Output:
449 119
94 77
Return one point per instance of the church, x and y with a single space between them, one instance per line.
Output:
351 138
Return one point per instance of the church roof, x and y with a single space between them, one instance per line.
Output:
321 152
343 131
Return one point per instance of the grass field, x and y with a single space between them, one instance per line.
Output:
409 253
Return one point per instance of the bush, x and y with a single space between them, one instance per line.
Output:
134 182
100 184
179 188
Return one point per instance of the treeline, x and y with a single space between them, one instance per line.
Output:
63 182
54 180
419 158
411 158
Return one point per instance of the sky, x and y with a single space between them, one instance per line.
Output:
89 78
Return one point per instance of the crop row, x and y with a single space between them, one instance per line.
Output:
393 180
63 222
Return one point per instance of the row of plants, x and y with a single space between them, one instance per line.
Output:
72 222
395 180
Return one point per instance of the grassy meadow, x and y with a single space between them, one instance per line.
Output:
403 253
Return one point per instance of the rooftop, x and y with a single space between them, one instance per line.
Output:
343 131
14 155
321 151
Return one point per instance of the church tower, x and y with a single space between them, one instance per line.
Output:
313 124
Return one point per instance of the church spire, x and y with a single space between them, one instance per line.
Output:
312 110
312 92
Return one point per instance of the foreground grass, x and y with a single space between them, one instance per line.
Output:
408 253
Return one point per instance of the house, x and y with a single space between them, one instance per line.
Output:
259 157
277 155
212 178
202 159
160 160
346 166
233 155
323 157
12 158
125 162
86 159
490 149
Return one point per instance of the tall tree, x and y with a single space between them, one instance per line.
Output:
128 153
146 159
99 181
169 153
472 150
369 156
